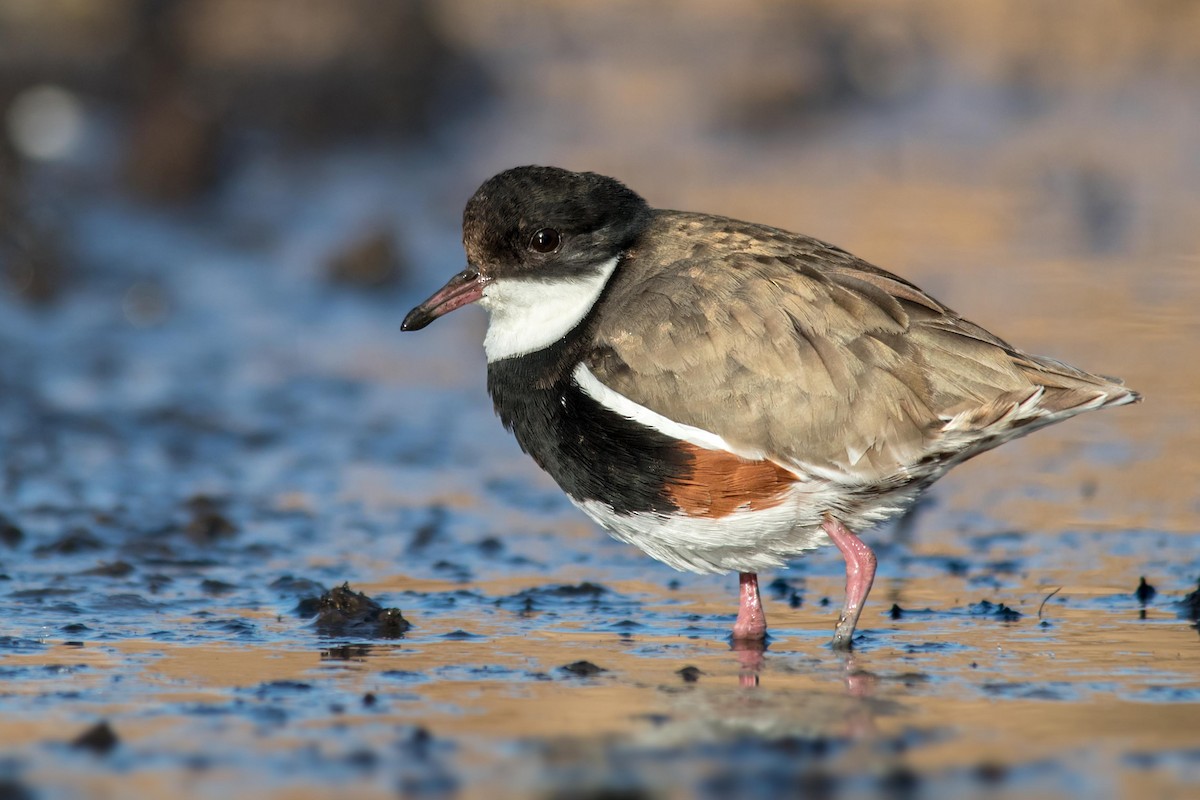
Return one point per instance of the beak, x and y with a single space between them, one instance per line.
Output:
465 287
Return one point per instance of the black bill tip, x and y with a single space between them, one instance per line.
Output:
465 287
416 319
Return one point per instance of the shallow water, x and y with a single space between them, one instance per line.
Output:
204 431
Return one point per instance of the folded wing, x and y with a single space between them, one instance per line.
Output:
790 348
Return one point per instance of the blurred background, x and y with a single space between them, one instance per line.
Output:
1067 127
215 213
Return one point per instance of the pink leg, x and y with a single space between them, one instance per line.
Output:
860 574
751 622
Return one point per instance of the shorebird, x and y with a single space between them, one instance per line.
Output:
725 395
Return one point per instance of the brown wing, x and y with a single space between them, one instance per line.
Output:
789 347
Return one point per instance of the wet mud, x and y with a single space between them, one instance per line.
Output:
254 542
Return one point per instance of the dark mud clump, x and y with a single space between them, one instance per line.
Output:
344 612
585 593
208 522
897 612
110 569
99 739
1144 591
590 595
986 608
1144 594
582 669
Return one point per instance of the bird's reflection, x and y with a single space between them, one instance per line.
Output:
752 660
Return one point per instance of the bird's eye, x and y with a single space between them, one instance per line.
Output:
545 240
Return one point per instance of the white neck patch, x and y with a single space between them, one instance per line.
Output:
528 315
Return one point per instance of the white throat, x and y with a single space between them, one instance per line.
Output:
527 315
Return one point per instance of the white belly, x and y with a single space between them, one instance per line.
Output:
748 540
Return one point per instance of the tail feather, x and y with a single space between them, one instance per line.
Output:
1058 391
1069 388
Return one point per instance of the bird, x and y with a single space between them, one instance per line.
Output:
724 395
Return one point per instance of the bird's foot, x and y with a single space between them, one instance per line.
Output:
843 635
749 630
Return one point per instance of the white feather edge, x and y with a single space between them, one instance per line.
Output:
614 401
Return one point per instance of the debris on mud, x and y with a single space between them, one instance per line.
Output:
459 635
986 608
582 669
585 589
1144 591
344 612
110 569
529 600
208 522
99 739
430 531
215 587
